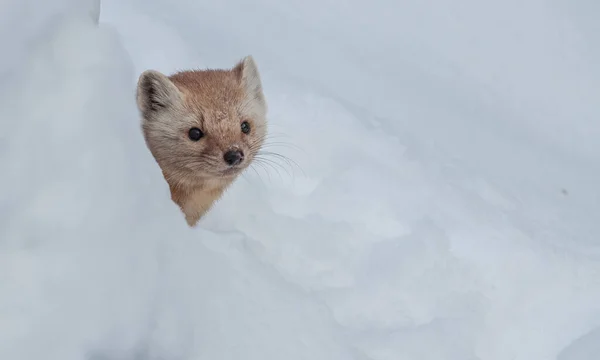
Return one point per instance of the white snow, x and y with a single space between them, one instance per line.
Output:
441 201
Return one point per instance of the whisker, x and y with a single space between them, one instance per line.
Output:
261 165
256 172
276 165
279 156
291 163
271 164
273 145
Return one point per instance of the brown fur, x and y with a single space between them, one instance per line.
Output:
216 102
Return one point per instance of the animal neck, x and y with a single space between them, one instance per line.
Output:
195 199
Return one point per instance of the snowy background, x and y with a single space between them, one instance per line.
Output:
443 202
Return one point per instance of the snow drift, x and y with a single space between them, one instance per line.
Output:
421 218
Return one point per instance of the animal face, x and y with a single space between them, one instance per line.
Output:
203 124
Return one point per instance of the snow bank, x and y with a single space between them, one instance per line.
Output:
409 226
95 262
436 215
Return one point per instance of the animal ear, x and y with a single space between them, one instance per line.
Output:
247 73
155 92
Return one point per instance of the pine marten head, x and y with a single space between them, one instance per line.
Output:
203 124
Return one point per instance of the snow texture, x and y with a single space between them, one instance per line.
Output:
438 199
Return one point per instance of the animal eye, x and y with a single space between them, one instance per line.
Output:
195 134
245 127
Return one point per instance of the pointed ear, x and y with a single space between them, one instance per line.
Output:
247 73
155 92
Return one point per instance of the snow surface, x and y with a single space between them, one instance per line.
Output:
441 200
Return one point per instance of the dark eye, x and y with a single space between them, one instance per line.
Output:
245 127
195 134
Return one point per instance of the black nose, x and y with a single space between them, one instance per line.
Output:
233 157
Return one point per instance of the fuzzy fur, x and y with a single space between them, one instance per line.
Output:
216 101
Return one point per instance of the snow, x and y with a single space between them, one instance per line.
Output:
440 200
